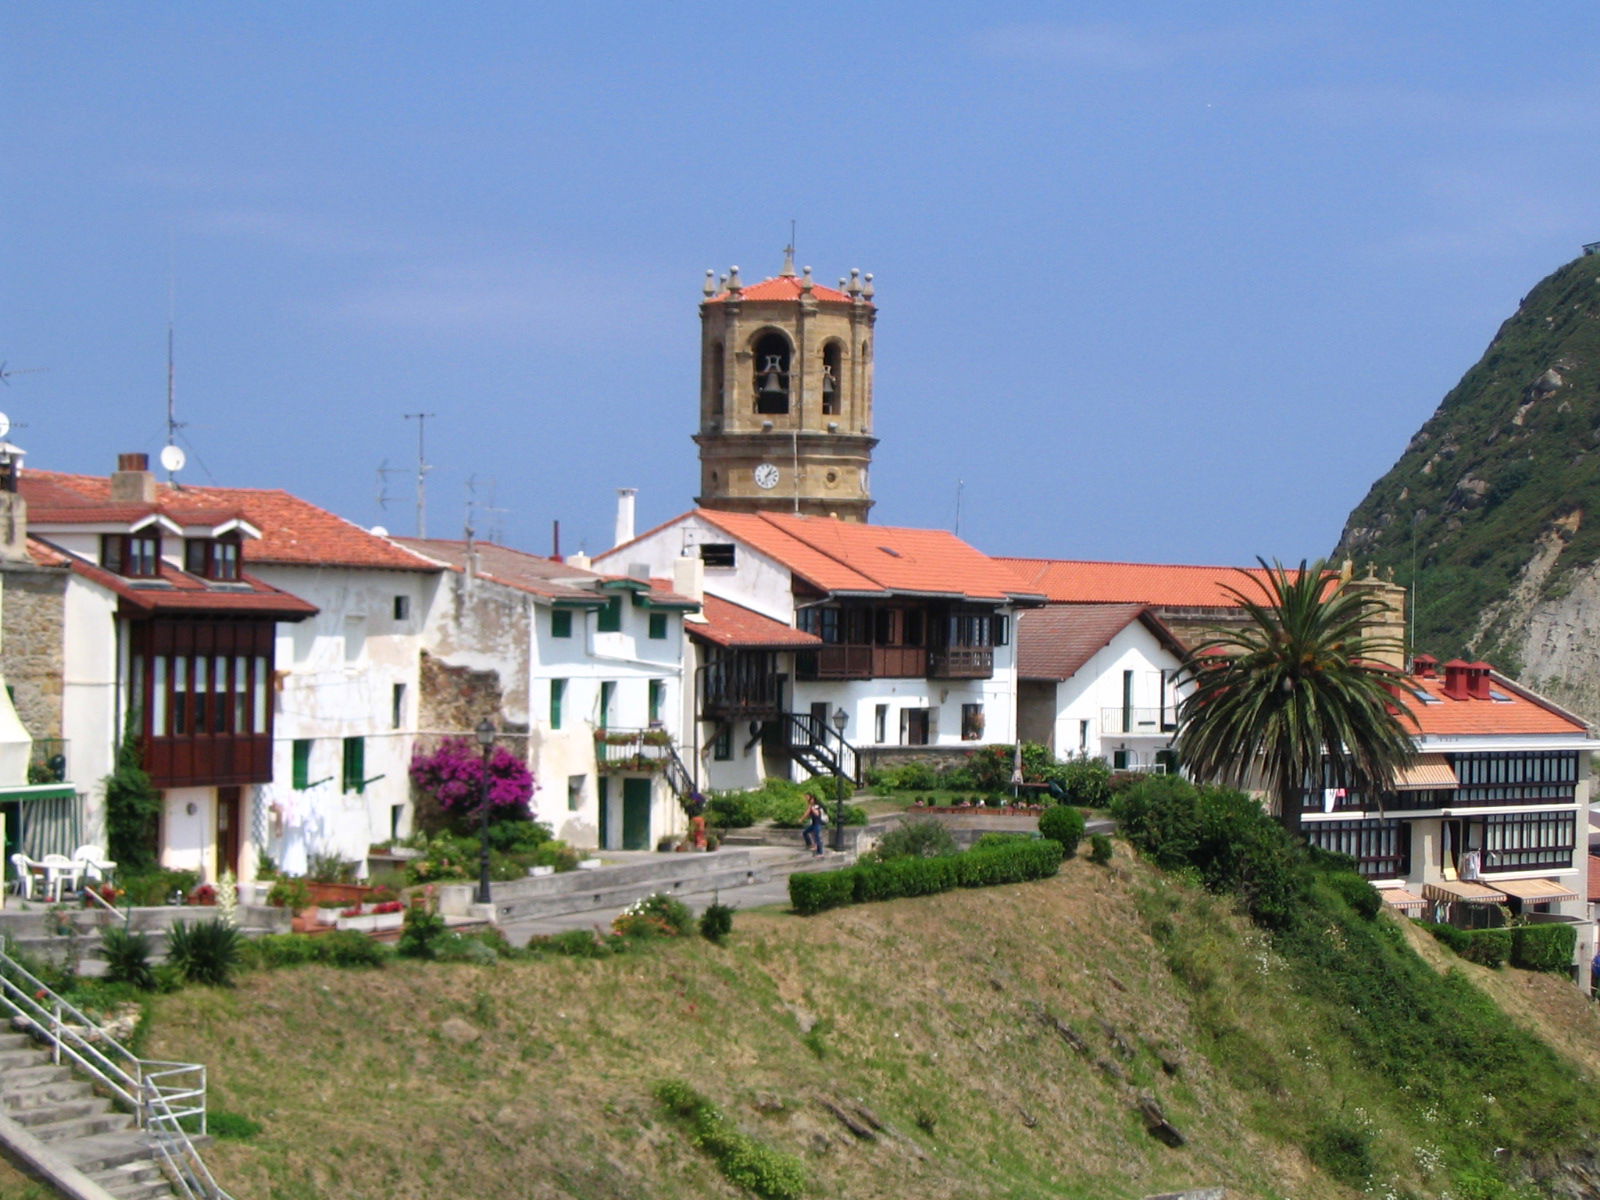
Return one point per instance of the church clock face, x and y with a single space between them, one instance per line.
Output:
766 476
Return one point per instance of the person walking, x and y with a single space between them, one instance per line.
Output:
814 821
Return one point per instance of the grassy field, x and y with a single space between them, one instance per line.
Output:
940 1019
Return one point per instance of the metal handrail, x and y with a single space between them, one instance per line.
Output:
125 913
160 1093
825 741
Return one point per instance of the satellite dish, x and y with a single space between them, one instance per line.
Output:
380 531
5 425
172 458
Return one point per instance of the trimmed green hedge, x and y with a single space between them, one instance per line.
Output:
815 892
1486 947
1543 947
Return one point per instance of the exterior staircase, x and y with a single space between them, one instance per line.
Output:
819 748
76 1126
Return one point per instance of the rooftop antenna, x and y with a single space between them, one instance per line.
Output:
474 507
384 471
7 372
423 467
172 455
960 484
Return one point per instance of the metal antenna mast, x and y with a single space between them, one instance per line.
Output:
423 467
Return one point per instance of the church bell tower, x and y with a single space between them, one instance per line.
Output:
786 394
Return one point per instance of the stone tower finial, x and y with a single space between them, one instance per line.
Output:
868 290
733 279
788 262
855 282
710 288
806 283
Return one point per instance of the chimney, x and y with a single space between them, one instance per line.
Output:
132 482
13 508
689 576
1385 626
580 560
1478 680
1425 666
624 532
1455 679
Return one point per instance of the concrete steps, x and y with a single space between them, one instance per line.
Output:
78 1126
616 887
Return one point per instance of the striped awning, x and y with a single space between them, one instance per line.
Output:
1426 771
1406 902
1462 891
1535 890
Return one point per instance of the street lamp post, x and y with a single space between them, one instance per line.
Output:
485 733
840 720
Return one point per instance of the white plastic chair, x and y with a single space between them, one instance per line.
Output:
23 866
59 870
96 866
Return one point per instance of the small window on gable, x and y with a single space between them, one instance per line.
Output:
111 552
561 623
716 554
194 556
135 555
610 617
658 625
832 379
771 362
402 608
212 558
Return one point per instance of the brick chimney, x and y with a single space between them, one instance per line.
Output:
1455 679
1425 666
133 482
1478 680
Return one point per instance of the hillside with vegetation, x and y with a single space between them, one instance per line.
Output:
1491 511
1247 1019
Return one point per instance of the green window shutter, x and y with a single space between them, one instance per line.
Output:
558 690
561 623
658 625
302 762
355 764
611 616
657 691
607 691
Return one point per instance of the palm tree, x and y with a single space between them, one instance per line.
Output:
1297 690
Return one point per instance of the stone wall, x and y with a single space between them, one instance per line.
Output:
32 644
455 699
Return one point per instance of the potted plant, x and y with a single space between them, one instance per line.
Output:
360 919
388 914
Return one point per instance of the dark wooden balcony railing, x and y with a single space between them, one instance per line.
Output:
736 690
963 662
836 662
209 760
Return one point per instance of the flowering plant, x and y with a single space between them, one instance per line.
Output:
204 894
453 776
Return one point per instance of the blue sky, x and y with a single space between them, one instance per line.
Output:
1163 282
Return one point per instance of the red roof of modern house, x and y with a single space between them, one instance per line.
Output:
1165 585
1056 641
786 287
1515 711
547 577
177 591
845 556
294 532
730 624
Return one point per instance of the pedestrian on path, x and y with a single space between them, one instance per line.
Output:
814 819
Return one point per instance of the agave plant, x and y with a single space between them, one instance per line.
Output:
206 952
127 956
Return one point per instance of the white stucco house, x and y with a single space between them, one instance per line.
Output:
902 634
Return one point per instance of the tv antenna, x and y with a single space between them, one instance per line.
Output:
7 372
423 467
384 471
474 507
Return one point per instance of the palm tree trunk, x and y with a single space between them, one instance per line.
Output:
1289 799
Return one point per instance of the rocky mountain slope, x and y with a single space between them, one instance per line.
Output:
1493 511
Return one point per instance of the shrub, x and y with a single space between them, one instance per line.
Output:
674 912
347 948
518 837
731 810
716 923
1064 824
811 892
987 841
1099 849
451 782
1486 947
789 812
925 838
1543 947
206 952
419 936
223 1124
127 957
1343 1149
1356 892
570 943
293 894
279 950
464 948
1086 781
745 1162
152 889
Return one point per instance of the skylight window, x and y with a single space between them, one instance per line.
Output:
1499 697
1425 697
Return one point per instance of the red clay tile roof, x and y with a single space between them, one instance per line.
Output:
844 556
787 287
294 532
1521 712
1054 642
177 591
730 624
1160 584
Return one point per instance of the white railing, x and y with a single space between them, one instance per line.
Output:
160 1094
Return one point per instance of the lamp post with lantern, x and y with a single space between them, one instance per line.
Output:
840 720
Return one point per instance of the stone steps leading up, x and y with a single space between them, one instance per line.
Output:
617 887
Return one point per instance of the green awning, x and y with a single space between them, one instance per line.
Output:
38 791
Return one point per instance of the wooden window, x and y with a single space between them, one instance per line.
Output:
610 617
302 763
972 722
1381 848
397 706
658 626
561 623
717 554
558 691
111 545
658 692
402 608
722 745
608 693
355 764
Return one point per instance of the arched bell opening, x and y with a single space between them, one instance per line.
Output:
832 379
771 359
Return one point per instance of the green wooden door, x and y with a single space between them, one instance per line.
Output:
636 814
604 786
